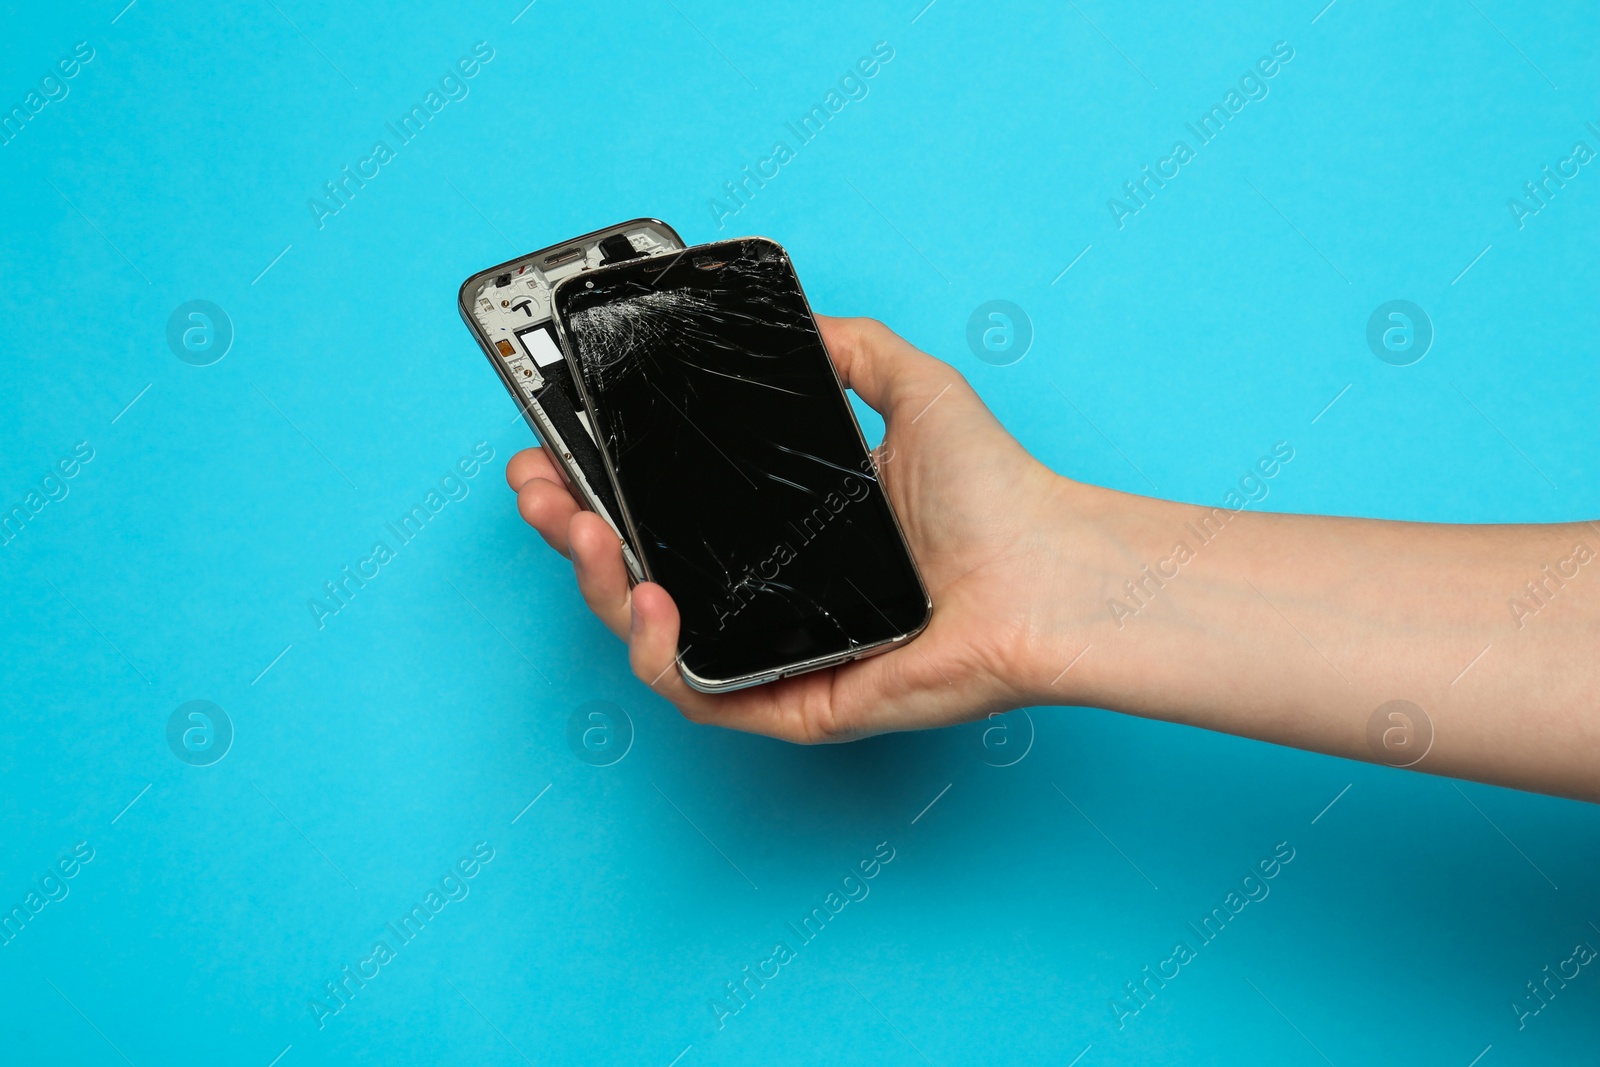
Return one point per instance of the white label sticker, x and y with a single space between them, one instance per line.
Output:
541 346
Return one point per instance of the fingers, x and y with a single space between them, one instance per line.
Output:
542 497
653 643
529 464
548 508
890 692
653 655
602 576
882 367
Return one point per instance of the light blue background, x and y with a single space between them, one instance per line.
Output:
429 712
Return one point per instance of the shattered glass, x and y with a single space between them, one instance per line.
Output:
744 479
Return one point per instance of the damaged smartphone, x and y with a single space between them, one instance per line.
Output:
740 473
507 308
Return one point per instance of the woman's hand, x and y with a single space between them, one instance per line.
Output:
984 520
1295 629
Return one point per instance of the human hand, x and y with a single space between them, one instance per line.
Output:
1026 569
984 521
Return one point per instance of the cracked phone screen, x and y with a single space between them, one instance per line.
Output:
743 476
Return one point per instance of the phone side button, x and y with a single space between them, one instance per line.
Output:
796 672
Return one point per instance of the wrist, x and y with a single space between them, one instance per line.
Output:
1107 549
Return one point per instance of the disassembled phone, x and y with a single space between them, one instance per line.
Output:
741 476
507 308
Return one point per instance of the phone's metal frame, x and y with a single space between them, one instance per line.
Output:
727 685
550 438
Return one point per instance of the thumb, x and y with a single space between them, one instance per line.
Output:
883 368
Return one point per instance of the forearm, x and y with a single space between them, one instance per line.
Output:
1296 629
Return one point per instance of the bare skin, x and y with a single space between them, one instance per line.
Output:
1292 629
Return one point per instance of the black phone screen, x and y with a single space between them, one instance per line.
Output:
746 485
